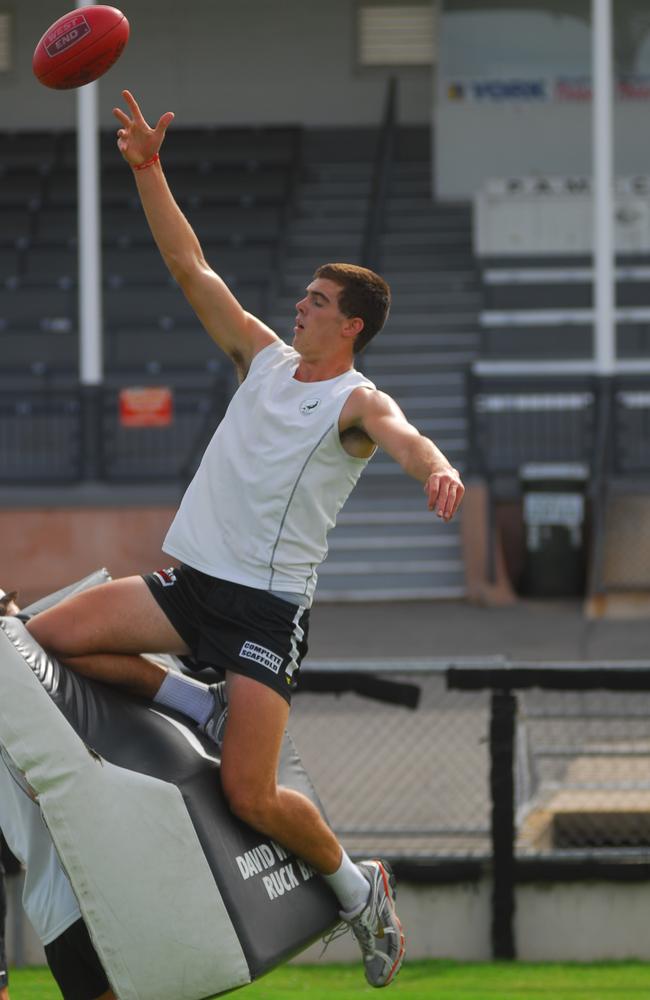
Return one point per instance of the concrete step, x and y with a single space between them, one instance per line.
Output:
323 226
403 382
324 171
398 589
329 206
387 340
428 239
423 361
411 187
410 168
439 321
403 282
409 222
335 189
393 543
408 203
402 258
432 404
348 239
435 299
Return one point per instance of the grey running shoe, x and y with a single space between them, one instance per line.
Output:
215 726
376 925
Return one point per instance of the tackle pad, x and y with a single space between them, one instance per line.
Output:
182 900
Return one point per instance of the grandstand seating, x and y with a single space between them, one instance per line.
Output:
543 307
234 185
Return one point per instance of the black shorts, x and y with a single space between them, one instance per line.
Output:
232 627
74 964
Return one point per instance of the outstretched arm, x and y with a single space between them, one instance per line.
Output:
383 422
235 331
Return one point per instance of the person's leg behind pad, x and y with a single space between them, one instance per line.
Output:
75 965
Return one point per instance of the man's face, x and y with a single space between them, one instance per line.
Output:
319 321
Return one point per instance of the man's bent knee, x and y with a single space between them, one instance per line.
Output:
251 805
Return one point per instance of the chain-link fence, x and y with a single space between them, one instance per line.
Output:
583 772
397 781
416 783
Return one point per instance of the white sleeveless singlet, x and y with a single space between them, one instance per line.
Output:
271 481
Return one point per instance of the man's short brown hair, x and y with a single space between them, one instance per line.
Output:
363 294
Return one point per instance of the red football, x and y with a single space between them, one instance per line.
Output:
80 46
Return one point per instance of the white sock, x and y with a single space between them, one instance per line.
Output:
186 695
349 884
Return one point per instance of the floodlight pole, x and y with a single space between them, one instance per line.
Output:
603 174
89 275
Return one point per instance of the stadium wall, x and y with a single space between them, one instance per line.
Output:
504 109
43 548
248 62
554 922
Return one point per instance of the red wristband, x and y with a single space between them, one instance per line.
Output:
147 163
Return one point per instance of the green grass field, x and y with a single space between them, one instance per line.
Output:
437 980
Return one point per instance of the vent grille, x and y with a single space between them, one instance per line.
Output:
396 34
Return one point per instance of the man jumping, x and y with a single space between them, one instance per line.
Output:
250 534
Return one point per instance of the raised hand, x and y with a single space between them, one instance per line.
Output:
136 140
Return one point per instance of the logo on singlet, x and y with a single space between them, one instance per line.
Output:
165 577
308 406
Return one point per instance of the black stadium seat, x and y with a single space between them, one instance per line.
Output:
231 182
57 225
49 310
9 265
132 306
21 186
28 149
17 226
50 265
137 264
123 226
214 223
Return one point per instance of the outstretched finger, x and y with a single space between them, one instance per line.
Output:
122 118
163 123
135 108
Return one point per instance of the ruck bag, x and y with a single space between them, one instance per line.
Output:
181 899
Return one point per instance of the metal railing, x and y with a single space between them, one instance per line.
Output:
602 423
67 435
371 243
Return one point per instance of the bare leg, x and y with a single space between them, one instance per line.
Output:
100 632
257 717
133 674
